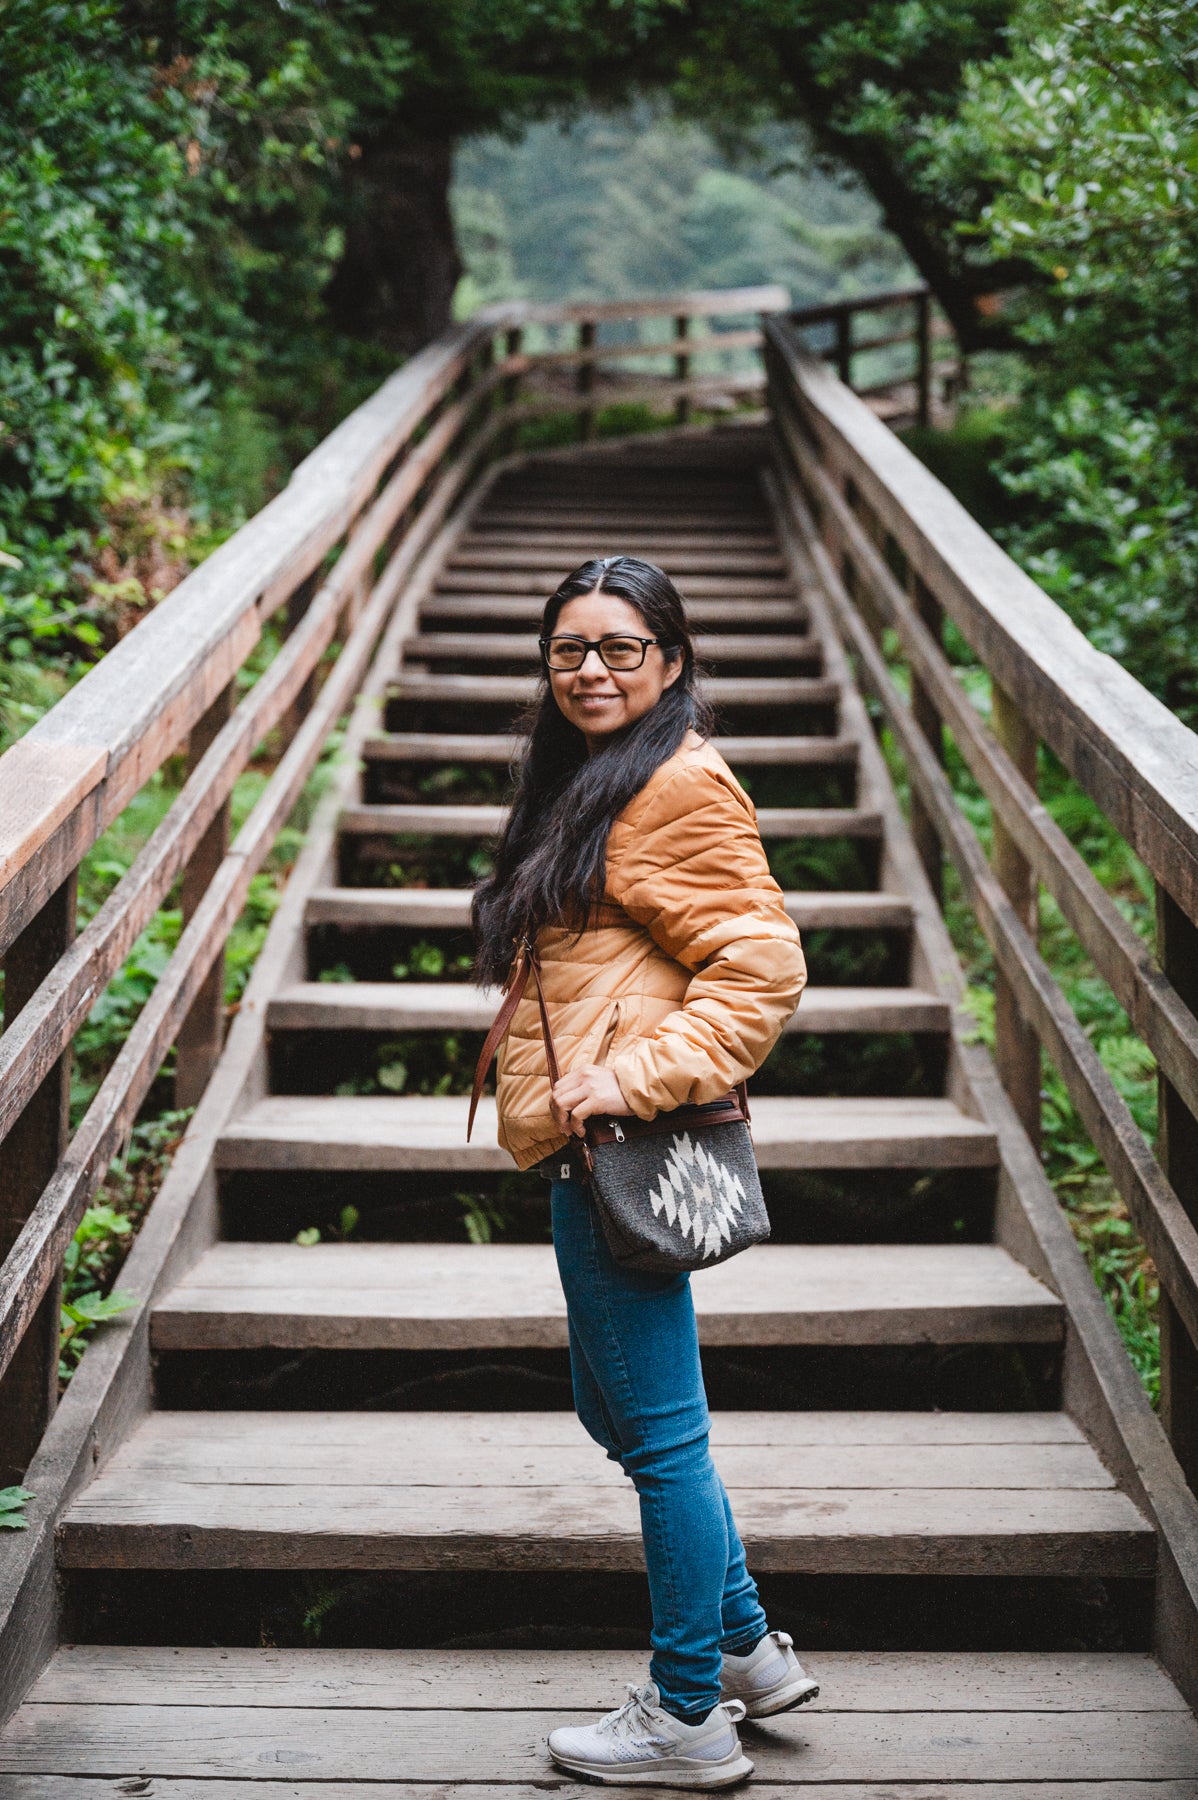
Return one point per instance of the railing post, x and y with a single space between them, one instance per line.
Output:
29 1156
927 718
1017 1048
586 376
201 1035
844 345
682 367
301 706
1177 1153
923 367
513 343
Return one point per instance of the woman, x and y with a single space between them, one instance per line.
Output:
669 965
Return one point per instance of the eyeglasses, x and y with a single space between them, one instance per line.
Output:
616 651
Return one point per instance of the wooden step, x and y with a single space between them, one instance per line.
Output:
720 557
460 1006
450 908
477 1297
329 1724
512 646
498 747
574 520
488 821
704 615
520 690
574 543
383 1132
514 581
829 1493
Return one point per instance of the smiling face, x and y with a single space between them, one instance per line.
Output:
599 700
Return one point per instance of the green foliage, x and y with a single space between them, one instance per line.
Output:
165 186
87 1263
13 1501
615 204
1085 136
483 1217
429 962
347 1223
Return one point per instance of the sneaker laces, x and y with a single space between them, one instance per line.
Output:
634 1720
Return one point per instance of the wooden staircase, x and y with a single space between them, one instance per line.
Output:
895 1241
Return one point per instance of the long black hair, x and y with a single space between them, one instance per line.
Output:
550 863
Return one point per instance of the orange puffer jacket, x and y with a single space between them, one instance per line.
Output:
689 973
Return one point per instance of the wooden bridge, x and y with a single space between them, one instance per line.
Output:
950 1481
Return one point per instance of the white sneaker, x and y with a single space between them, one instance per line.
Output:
641 1745
770 1679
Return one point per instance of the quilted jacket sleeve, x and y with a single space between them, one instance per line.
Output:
689 866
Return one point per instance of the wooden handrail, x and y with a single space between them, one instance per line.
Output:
822 311
1131 754
63 783
703 304
880 513
926 328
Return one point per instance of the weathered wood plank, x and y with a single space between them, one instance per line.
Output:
458 1471
488 582
1123 959
518 690
82 1787
1126 749
28 1159
700 303
511 646
459 1006
704 615
495 747
396 1438
746 338
293 1132
368 1745
488 821
486 1681
572 537
1169 1234
111 731
374 1296
254 1743
841 910
913 1531
531 556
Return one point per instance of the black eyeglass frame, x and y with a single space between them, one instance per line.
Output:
596 644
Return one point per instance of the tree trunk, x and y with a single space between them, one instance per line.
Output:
927 234
395 282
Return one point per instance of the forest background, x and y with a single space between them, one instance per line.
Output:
222 221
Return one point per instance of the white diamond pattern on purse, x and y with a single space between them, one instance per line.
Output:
699 1194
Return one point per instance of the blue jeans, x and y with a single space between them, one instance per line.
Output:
638 1389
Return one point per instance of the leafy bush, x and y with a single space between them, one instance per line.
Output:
1084 134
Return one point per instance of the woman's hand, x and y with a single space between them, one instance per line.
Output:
583 1092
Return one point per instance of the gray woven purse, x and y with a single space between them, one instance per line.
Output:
677 1192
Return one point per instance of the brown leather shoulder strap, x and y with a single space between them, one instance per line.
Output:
534 963
497 1033
529 964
